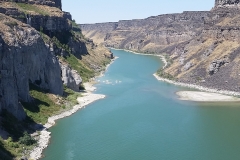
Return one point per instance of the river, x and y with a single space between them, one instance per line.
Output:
142 119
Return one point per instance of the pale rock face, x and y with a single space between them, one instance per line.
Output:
25 59
70 77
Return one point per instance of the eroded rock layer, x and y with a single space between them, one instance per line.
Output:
201 47
227 3
51 3
39 45
24 59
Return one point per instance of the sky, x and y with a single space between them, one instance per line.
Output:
97 11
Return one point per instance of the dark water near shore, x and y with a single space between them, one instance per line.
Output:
141 119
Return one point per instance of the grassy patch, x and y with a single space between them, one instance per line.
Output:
4 151
38 111
76 31
169 60
11 24
106 61
45 105
45 37
41 107
13 146
61 45
71 96
82 69
85 72
28 7
163 74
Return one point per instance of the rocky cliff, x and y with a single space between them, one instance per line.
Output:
51 3
34 35
24 59
202 47
41 17
43 58
227 3
142 35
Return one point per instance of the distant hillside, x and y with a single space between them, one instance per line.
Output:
201 47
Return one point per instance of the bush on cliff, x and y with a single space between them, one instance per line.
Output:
163 74
27 139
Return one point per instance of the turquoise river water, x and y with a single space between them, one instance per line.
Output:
142 119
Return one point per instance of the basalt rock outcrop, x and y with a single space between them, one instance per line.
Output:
202 47
152 34
33 42
70 77
24 59
227 4
43 55
51 3
44 18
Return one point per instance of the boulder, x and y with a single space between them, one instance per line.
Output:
216 65
70 77
187 66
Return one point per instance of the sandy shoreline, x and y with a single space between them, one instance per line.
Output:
45 135
205 97
201 88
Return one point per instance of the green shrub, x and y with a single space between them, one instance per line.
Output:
27 139
28 7
42 107
163 74
71 96
11 24
83 70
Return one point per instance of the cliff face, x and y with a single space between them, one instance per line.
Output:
43 58
227 3
41 17
24 56
39 45
24 59
148 35
51 3
202 47
212 58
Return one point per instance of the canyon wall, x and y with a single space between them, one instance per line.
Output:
51 3
227 3
202 47
41 17
25 59
35 44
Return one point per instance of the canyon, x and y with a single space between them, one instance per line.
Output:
45 56
201 47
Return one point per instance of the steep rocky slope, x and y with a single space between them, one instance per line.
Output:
43 55
148 35
201 47
24 58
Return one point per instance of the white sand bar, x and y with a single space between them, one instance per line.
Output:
205 96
